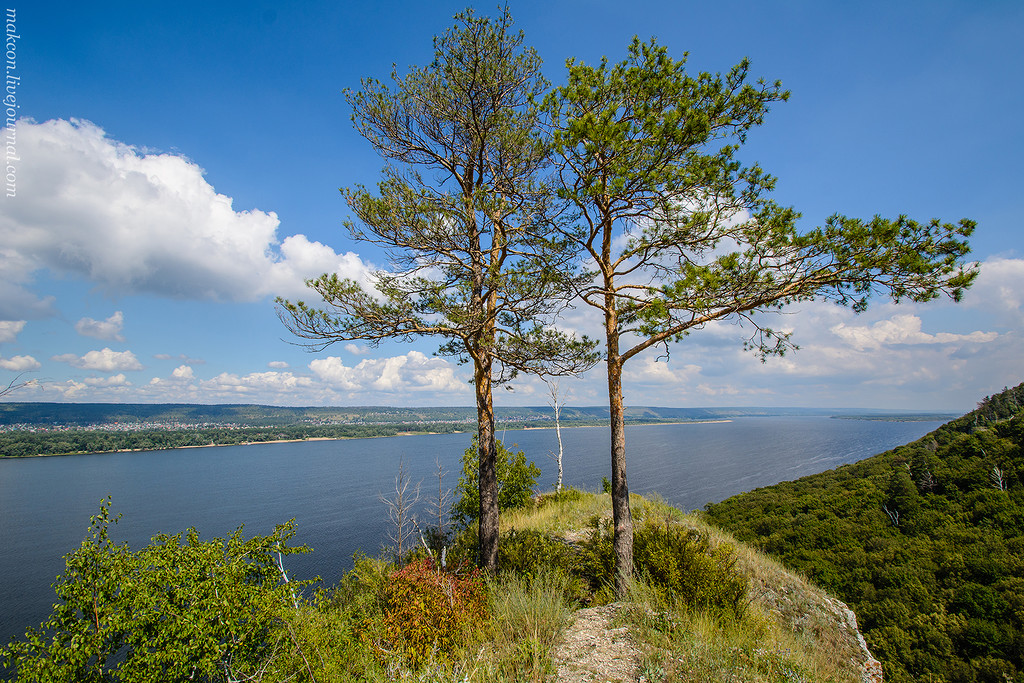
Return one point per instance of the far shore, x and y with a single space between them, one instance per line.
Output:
345 438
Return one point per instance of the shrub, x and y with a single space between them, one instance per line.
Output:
566 495
682 565
427 611
516 479
177 609
678 562
529 553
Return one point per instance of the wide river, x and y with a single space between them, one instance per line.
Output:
333 488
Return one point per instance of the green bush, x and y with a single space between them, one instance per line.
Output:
566 495
178 609
680 563
529 553
516 480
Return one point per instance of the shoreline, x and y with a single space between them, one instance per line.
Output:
343 438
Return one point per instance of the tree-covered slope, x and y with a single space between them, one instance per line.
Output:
925 542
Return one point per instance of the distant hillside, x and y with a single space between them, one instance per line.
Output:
86 414
925 542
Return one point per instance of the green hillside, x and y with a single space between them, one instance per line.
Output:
83 415
925 542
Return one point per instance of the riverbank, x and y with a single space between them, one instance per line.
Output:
251 442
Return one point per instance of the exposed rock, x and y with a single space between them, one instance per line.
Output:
811 612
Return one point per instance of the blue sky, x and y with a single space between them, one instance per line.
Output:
178 164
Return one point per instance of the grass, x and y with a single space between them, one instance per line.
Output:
789 630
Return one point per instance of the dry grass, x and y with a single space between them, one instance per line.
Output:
791 630
559 515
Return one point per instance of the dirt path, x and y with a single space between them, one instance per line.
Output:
592 651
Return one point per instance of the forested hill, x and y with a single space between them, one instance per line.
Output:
925 542
88 414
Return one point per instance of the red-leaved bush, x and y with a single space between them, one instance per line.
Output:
426 610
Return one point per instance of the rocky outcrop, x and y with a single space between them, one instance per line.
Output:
810 612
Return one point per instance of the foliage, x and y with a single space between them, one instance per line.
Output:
530 554
563 496
680 563
679 233
178 609
380 623
516 480
426 612
677 562
939 594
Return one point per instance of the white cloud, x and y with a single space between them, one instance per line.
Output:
412 372
183 373
647 369
105 360
109 329
136 222
999 288
9 329
334 372
255 383
278 365
118 380
902 329
357 350
72 389
19 363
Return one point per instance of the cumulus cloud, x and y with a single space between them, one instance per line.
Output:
19 364
413 372
183 373
357 350
649 370
105 360
278 365
9 329
138 222
255 383
902 329
109 329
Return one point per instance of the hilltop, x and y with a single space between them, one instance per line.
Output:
708 608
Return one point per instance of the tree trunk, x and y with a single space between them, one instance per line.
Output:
556 405
558 433
488 530
622 516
